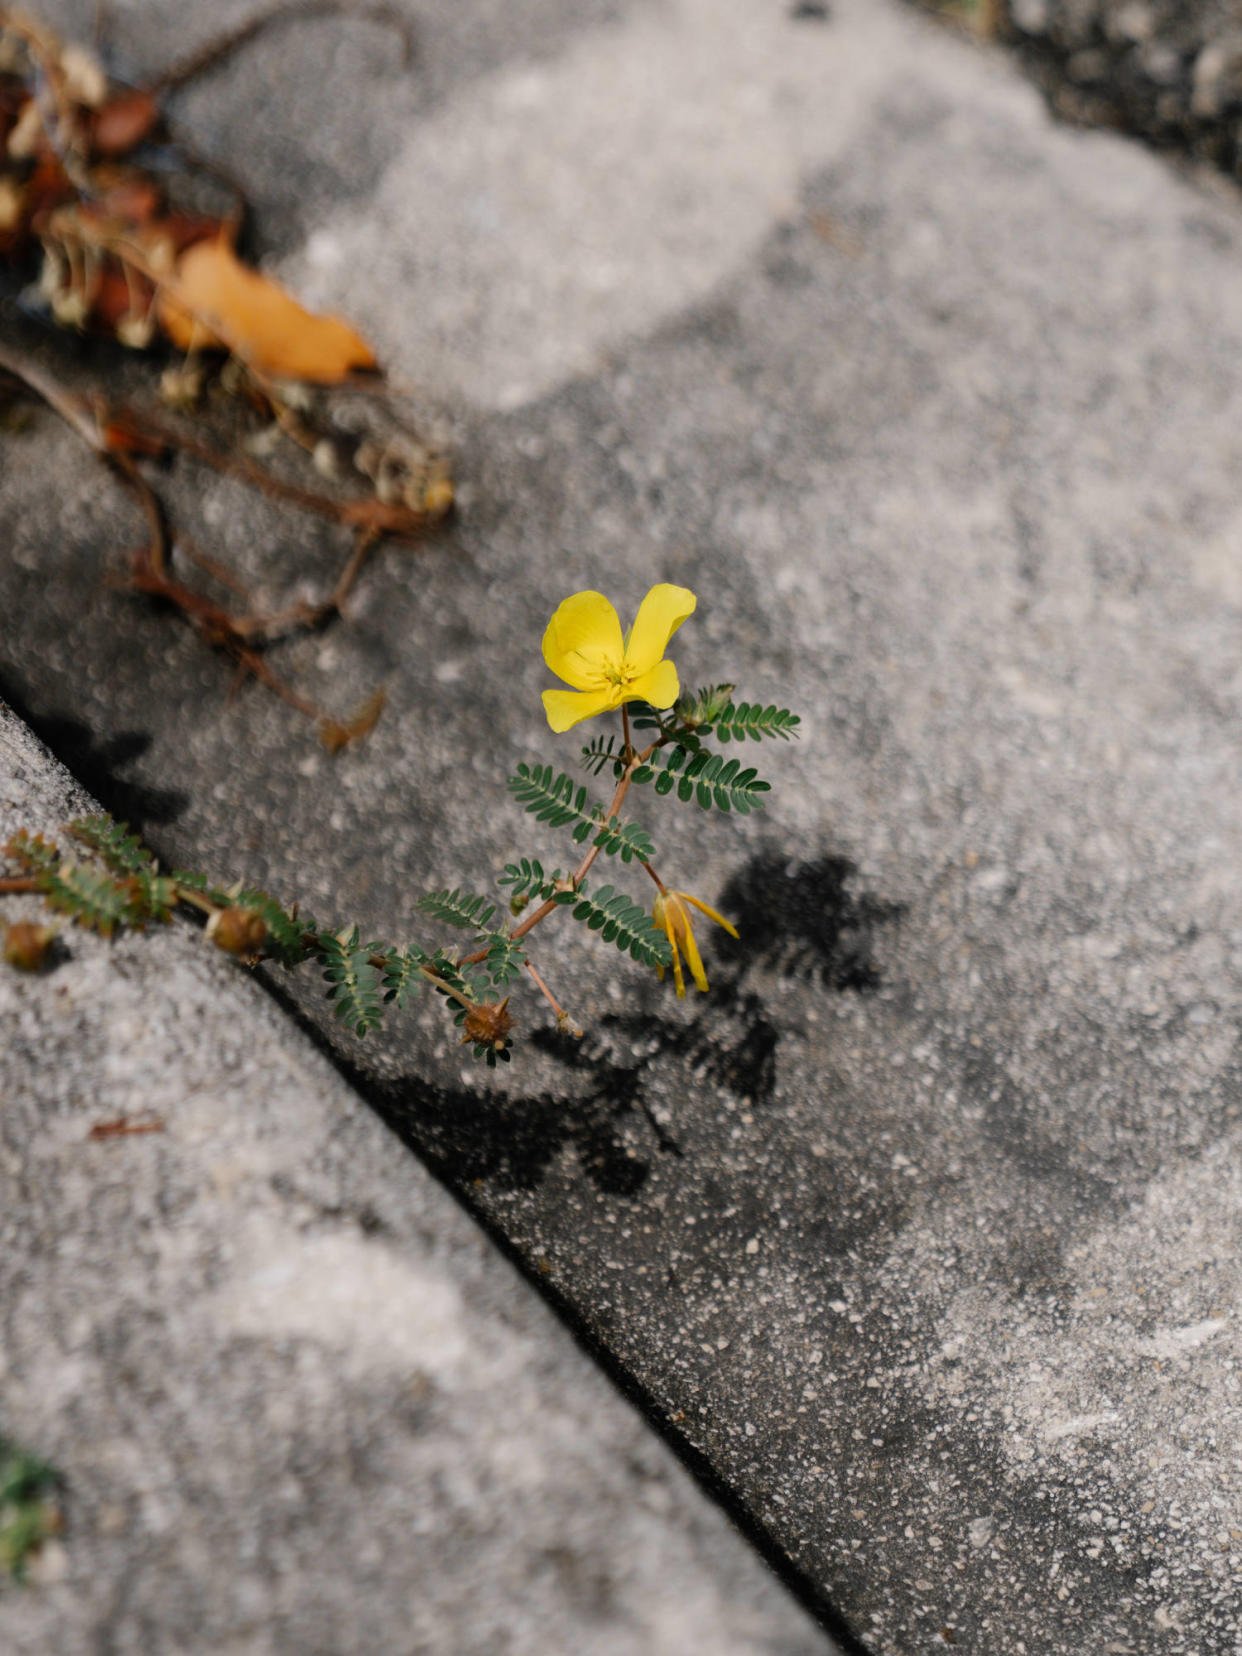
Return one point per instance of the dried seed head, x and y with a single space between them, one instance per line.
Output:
438 496
181 386
367 457
70 307
85 81
136 330
26 133
238 931
488 1025
327 459
12 204
26 945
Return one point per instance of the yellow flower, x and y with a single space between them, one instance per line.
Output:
670 913
583 645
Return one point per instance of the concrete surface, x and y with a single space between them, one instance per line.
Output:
1167 70
300 1402
920 1228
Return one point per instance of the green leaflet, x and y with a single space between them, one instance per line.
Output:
620 920
153 896
403 975
123 852
553 797
747 719
712 709
712 780
36 854
504 958
603 751
28 1513
357 984
458 908
95 900
526 879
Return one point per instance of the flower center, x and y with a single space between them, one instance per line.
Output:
617 674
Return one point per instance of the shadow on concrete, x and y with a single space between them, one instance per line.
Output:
97 763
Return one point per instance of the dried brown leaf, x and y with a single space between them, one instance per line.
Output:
212 299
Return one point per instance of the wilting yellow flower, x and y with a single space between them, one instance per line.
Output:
670 913
584 646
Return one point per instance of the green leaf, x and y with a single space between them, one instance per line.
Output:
737 723
458 908
505 960
28 1513
97 901
469 981
645 717
603 751
527 878
357 984
123 852
625 839
711 779
620 920
36 854
153 896
403 976
555 798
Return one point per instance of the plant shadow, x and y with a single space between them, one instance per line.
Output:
799 920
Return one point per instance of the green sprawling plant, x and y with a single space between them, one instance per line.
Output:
29 1513
111 882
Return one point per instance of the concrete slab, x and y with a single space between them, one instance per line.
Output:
1168 70
300 1402
920 1229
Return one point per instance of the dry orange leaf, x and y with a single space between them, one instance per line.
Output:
212 299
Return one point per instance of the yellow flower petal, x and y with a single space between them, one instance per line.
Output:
582 638
678 980
659 686
660 614
693 958
569 707
711 913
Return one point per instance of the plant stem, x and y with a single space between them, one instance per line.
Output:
562 1017
659 882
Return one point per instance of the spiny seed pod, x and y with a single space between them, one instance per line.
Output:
488 1025
238 931
26 945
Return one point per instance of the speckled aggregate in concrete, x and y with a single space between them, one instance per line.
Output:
918 1227
299 1401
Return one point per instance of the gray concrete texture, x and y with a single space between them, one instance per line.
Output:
1169 70
299 1401
922 1227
